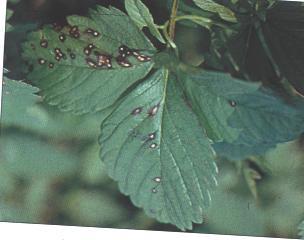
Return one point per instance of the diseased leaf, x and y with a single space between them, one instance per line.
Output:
87 66
240 112
141 15
212 6
153 145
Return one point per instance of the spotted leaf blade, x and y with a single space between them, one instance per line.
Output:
211 6
257 117
141 15
153 145
64 60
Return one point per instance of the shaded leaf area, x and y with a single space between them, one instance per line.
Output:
141 15
22 109
80 68
264 46
278 208
301 228
165 167
18 100
8 26
240 151
245 118
211 6
19 156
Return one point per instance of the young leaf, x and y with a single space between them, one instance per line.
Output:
164 163
211 6
230 108
141 15
80 68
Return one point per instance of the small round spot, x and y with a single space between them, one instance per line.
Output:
232 103
154 190
122 61
91 46
41 61
44 43
151 136
72 56
157 179
137 111
153 110
153 145
51 65
62 37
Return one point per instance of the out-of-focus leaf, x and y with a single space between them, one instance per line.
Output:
18 104
301 228
141 15
93 170
165 165
66 62
9 14
31 158
211 6
91 208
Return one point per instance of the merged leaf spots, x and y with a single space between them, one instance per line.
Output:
145 146
80 67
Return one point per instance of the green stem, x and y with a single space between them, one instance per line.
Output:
173 19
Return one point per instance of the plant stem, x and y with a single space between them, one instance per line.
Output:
172 19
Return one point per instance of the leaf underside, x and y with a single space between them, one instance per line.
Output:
164 163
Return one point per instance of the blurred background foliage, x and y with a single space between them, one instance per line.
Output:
50 171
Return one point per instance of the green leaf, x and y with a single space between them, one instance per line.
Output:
71 83
31 158
238 152
92 208
9 14
222 11
211 95
301 228
18 102
240 112
142 17
145 147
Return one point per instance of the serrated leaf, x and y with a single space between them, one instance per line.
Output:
141 15
72 83
17 103
211 6
211 95
164 163
240 112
